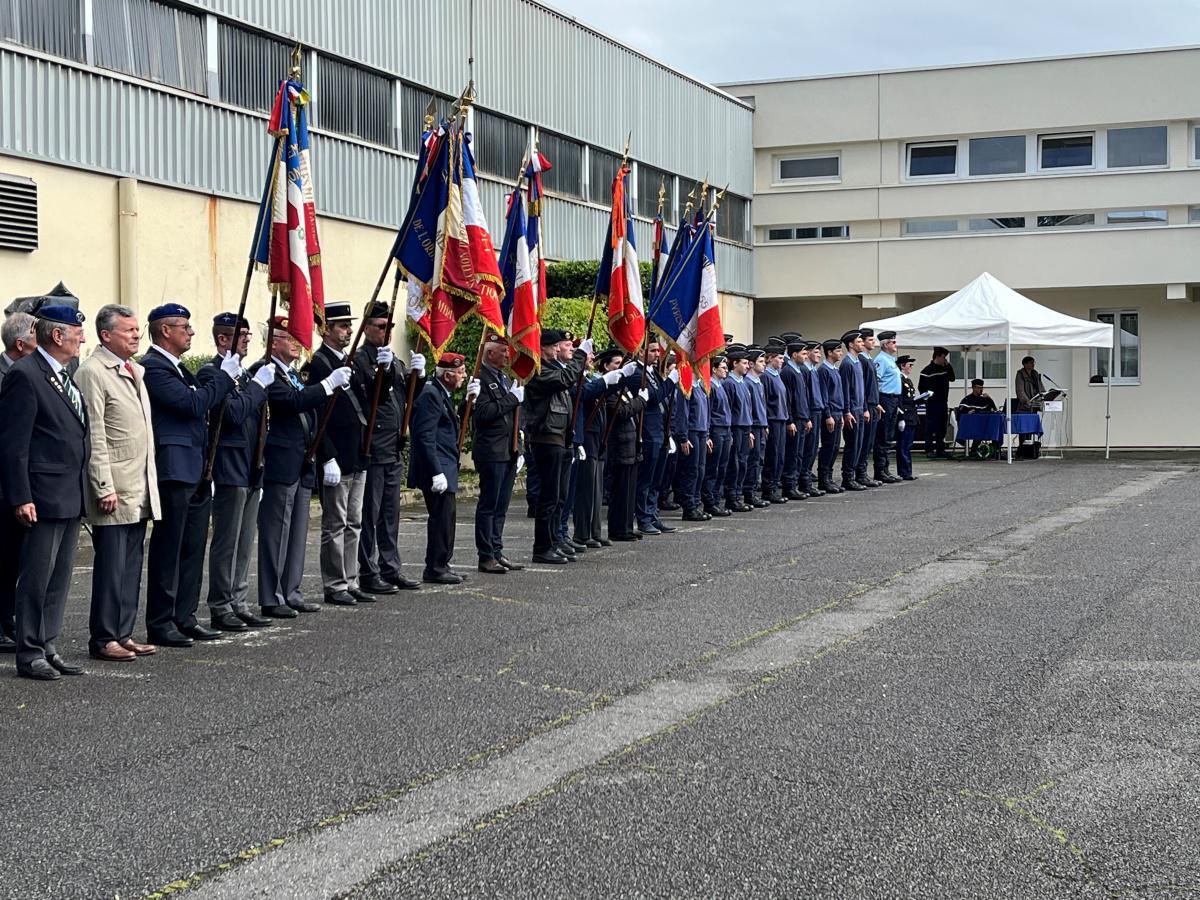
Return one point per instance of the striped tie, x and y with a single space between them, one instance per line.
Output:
72 393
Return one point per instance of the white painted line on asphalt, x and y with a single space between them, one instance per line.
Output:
330 861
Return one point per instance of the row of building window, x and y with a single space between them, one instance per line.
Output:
1141 146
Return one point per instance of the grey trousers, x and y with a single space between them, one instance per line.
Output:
378 553
116 581
282 533
234 519
43 581
341 525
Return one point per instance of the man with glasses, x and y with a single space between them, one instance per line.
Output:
378 543
179 405
19 339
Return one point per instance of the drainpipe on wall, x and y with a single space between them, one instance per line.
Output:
127 251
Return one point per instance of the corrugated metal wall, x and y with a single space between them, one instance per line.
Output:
62 112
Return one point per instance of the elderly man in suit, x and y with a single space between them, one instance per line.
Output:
179 405
42 469
122 483
19 339
288 476
433 464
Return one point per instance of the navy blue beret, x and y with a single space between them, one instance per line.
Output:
169 311
63 315
220 320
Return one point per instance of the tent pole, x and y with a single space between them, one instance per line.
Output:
1008 397
1108 405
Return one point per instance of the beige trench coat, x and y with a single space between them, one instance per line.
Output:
122 439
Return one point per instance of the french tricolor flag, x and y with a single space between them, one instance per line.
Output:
620 279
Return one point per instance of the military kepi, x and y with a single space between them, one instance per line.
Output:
63 315
338 312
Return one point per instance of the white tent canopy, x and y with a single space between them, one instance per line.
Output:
988 312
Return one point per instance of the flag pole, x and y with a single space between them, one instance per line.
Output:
261 447
651 307
380 371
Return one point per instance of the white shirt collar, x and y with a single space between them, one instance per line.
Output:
55 366
174 360
279 362
336 352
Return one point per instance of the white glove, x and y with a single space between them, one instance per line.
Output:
629 368
265 376
611 378
384 356
333 473
900 425
671 448
580 453
673 376
439 483
518 391
587 345
231 365
416 362
474 387
338 378
644 393
520 462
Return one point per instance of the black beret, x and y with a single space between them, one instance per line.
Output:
940 351
608 354
554 335
377 311
831 345
904 360
850 336
867 332
887 335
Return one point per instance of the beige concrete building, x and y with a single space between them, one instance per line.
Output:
1074 180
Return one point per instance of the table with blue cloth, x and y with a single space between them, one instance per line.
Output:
990 426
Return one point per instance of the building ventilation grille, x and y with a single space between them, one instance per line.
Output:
18 213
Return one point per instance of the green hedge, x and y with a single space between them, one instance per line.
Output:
577 278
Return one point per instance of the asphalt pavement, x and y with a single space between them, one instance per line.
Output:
980 684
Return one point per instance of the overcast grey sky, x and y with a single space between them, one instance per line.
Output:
733 40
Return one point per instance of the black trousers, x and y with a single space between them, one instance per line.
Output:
935 427
439 532
378 549
191 553
116 581
774 455
164 607
12 534
830 440
551 461
649 475
47 559
852 440
809 450
621 499
885 436
588 500
495 492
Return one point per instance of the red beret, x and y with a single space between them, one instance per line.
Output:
451 361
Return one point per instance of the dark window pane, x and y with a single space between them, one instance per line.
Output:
1137 146
1129 345
252 66
499 144
413 104
54 26
1066 152
932 160
930 226
997 224
785 234
354 101
733 218
602 169
566 161
811 167
649 180
997 155
1138 217
1067 221
835 231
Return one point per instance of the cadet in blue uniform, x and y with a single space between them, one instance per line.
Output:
818 415
690 428
738 393
837 414
752 480
778 420
906 420
855 394
720 436
653 434
889 401
871 409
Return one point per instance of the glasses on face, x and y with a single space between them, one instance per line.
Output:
186 326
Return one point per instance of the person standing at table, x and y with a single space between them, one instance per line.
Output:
906 419
1028 384
937 378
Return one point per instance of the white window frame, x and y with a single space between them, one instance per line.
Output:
965 150
1097 148
1133 125
1193 137
1163 223
777 168
1114 352
958 159
957 220
813 240
976 356
1067 212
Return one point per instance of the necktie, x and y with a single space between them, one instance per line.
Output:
295 379
129 369
72 393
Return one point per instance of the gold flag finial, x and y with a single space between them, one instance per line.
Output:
662 194
297 55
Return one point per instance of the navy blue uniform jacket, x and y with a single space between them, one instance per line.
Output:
434 438
831 388
292 417
797 394
179 407
233 465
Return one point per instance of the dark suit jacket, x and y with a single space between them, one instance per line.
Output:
343 436
660 389
622 408
292 416
234 462
385 444
492 417
179 407
46 446
434 438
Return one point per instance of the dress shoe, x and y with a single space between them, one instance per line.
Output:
593 544
668 506
908 477
253 620
604 542
112 652
694 515
39 670
172 638
664 528
441 578
491 567
361 596
736 505
814 492
795 494
849 485
376 586
139 649
550 558
623 537
200 632
565 549
889 478
869 482
569 557
340 598
305 606
405 584
64 667
279 612
509 564
758 502
228 622
577 546
7 644
648 529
